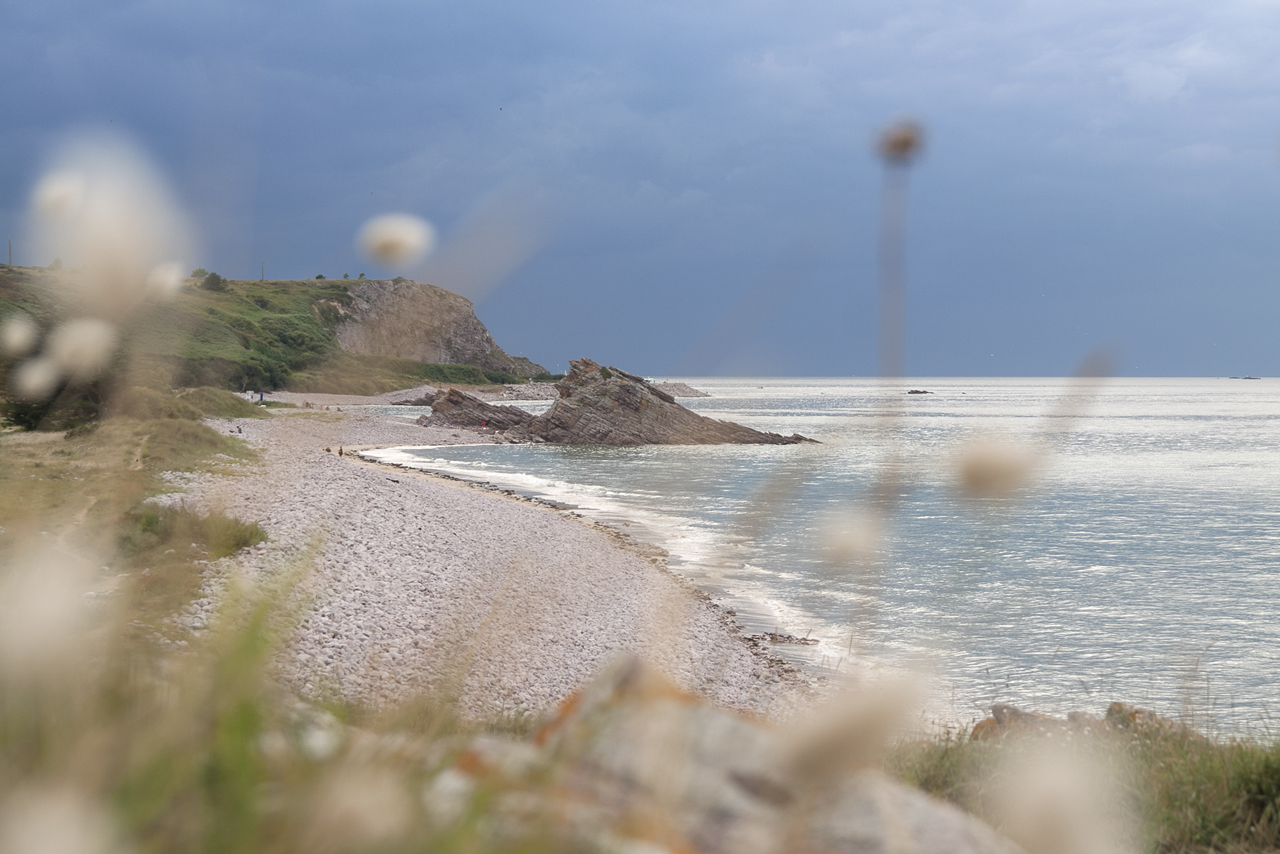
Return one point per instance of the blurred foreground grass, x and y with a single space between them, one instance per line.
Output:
137 735
1190 793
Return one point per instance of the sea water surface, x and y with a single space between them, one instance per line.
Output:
1142 563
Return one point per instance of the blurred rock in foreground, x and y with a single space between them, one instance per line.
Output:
633 763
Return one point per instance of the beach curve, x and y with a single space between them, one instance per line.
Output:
415 583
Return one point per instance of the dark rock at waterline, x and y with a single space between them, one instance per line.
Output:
919 391
599 405
425 400
454 408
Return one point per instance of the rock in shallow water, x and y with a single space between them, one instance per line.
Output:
600 406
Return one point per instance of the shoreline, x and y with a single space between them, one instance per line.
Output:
425 583
767 635
660 557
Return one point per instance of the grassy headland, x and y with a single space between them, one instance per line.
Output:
244 335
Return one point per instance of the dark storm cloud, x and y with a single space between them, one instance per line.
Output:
1094 171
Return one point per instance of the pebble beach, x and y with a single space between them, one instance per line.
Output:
413 584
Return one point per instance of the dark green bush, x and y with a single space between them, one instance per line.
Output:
68 408
213 282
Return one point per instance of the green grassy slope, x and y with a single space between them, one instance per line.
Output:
252 335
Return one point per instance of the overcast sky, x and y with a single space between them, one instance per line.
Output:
699 177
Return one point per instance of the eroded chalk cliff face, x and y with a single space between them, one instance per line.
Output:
412 320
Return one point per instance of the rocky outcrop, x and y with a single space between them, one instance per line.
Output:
599 406
455 408
607 406
411 320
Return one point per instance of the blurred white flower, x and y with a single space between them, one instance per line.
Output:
395 240
81 348
164 280
321 742
18 334
35 379
104 210
361 807
853 538
1051 800
990 468
849 731
54 822
447 796
59 195
42 614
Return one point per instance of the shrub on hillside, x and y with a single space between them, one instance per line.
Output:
213 282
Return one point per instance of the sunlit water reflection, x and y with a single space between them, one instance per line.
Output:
1143 564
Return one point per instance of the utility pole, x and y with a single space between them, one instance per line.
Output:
10 251
263 272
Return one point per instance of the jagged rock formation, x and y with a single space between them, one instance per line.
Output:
412 320
455 408
600 406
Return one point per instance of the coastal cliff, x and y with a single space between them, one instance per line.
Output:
600 405
412 320
339 336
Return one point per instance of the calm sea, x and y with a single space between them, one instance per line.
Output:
1142 563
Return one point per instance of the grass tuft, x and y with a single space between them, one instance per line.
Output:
154 526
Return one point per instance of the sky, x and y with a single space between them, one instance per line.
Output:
692 188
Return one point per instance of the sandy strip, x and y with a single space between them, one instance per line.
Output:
419 583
